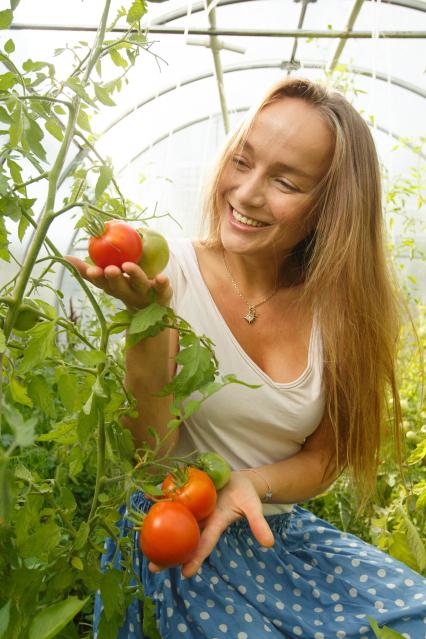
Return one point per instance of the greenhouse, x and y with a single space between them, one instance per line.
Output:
212 319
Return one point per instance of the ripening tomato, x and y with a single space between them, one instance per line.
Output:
118 243
217 468
169 535
198 492
155 254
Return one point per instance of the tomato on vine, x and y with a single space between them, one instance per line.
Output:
217 468
114 243
194 489
155 252
169 535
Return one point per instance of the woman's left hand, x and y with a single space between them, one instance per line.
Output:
237 499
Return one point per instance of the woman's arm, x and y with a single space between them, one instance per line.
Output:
300 477
304 475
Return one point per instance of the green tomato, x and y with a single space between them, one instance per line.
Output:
216 467
155 252
28 316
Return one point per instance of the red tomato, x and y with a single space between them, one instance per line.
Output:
198 493
169 535
119 243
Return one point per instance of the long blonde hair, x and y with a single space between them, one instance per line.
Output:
346 279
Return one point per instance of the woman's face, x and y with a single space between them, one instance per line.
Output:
265 189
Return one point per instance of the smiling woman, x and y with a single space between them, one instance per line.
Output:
295 228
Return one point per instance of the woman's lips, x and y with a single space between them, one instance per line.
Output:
241 225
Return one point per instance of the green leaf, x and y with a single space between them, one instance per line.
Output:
9 47
149 626
105 177
415 542
51 620
63 433
103 95
136 11
90 358
40 346
23 430
67 390
4 619
83 120
384 632
117 59
17 126
4 116
2 341
147 318
54 129
34 134
18 392
40 392
6 18
82 536
4 241
75 85
418 454
111 592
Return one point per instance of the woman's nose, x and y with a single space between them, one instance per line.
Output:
251 190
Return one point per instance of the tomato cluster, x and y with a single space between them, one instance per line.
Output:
170 531
116 242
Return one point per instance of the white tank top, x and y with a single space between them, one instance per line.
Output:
248 427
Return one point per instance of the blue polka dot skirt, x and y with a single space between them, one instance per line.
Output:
315 582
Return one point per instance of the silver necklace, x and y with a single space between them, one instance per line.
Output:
250 316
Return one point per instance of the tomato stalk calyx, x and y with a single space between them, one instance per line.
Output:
95 226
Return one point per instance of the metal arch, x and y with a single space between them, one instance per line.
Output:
303 10
342 42
416 5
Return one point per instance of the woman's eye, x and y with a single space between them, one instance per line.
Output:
288 185
239 162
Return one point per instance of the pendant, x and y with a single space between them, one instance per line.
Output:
251 315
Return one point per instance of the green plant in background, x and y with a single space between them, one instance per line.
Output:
66 463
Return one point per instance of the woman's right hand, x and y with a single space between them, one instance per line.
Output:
128 284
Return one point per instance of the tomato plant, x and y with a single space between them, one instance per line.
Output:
194 489
169 535
155 252
117 242
217 468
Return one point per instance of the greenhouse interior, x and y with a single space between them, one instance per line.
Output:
133 110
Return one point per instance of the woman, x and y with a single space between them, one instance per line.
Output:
292 286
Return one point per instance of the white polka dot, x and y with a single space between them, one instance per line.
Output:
248 617
242 635
278 587
317 622
312 583
233 564
131 627
279 604
381 572
418 595
340 618
306 536
409 582
363 578
361 616
297 631
329 555
316 593
260 579
319 635
307 567
169 612
338 608
406 635
214 580
335 596
329 579
400 603
230 610
297 592
378 604
320 529
363 553
364 629
297 607
328 542
338 570
341 634
267 628
372 591
355 562
261 565
280 570
204 615
299 523
260 598
391 586
210 603
277 622
186 603
182 627
223 627
242 589
192 593
318 609
249 553
249 541
167 583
